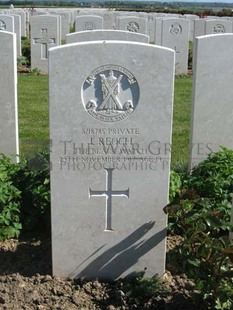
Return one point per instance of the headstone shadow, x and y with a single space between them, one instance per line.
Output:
119 258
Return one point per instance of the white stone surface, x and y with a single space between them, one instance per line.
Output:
95 35
108 20
151 27
158 31
175 35
23 20
132 24
45 33
9 142
212 111
65 22
110 125
218 26
150 18
211 26
199 28
27 23
17 30
6 23
191 19
88 22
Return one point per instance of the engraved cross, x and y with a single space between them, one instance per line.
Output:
109 193
44 41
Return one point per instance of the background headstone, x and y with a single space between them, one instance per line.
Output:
45 33
151 27
212 111
207 26
158 30
6 23
108 20
23 20
94 35
175 34
132 24
17 30
65 23
191 19
218 26
110 125
88 22
199 28
9 142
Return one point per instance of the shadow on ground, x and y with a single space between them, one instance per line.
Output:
27 256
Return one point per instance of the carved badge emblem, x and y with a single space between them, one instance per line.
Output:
88 26
175 29
219 29
132 27
110 93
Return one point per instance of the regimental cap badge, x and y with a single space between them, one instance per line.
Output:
110 93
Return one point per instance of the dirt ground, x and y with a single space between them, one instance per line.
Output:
26 283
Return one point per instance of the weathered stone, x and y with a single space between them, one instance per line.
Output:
110 125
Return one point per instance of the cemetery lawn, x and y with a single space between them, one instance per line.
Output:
181 120
33 113
34 116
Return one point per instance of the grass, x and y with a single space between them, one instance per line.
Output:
34 120
181 120
33 113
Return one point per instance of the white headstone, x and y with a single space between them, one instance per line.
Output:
17 30
9 142
23 20
191 19
45 33
65 23
208 26
110 125
132 24
158 30
175 34
95 35
88 22
108 20
151 27
6 23
27 23
212 111
218 26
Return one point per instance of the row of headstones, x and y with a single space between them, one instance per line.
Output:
47 31
102 19
111 125
172 33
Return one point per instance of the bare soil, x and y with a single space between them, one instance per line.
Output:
26 284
